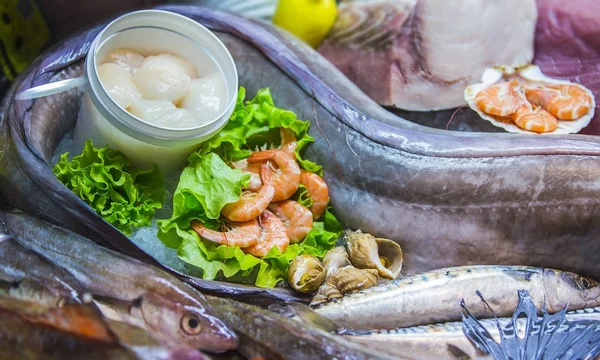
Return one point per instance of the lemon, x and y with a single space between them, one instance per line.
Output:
310 20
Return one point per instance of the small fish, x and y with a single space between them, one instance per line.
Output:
264 334
25 274
435 296
171 311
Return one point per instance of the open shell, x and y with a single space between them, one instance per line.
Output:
347 279
533 75
335 259
306 273
368 252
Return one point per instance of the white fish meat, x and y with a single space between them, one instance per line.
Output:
422 54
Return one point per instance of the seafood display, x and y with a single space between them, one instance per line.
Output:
208 182
436 296
422 54
387 176
524 100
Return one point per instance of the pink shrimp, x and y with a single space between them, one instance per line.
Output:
565 102
317 191
242 234
251 204
298 220
273 234
287 176
499 99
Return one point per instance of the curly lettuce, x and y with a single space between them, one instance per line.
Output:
101 177
207 184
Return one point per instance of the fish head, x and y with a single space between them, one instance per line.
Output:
187 323
578 291
39 292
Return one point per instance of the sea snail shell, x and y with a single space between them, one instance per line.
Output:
368 252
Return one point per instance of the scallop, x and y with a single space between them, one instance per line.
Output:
163 79
169 59
533 76
126 58
118 84
205 98
162 113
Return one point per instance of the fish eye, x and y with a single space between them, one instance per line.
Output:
61 302
585 283
190 324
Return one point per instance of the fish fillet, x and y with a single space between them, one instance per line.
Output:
422 54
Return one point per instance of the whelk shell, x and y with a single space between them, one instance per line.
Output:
347 279
335 259
368 252
306 273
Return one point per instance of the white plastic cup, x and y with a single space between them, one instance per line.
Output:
106 123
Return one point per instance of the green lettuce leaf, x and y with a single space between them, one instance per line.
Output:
102 178
208 184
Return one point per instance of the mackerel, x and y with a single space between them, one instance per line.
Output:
435 296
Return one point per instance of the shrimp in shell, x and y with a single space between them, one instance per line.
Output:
500 99
286 178
242 234
251 204
297 219
317 191
565 102
273 234
535 119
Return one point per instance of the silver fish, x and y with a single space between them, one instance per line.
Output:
170 310
447 341
435 296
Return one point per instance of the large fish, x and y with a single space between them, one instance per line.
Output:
450 198
436 296
168 308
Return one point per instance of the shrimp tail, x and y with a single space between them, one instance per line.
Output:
261 156
266 175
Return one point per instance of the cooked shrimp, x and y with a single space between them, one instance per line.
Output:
537 120
298 220
273 234
499 100
565 102
251 204
254 170
288 141
287 176
317 191
242 234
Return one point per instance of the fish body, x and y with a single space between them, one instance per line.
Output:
165 304
265 334
447 341
435 296
25 274
448 198
422 54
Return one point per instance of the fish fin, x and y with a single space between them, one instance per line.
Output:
547 337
